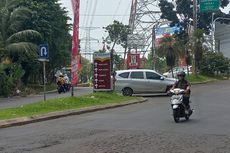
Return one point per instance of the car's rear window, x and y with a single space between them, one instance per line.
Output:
137 75
124 75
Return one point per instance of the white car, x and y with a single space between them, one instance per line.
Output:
141 81
176 70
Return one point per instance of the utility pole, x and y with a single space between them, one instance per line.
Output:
194 67
195 14
88 39
144 15
154 47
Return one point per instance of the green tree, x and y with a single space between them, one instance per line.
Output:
160 64
86 71
168 50
117 34
50 19
14 37
198 40
180 12
214 62
118 61
16 42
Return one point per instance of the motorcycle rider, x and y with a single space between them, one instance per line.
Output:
182 83
61 82
67 83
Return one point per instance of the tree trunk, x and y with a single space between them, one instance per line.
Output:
187 70
124 64
112 62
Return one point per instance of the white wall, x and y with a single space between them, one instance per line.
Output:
222 34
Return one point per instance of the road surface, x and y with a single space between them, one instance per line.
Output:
141 128
18 101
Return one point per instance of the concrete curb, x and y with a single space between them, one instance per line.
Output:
54 115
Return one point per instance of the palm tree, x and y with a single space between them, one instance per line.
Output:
198 40
15 41
13 36
168 50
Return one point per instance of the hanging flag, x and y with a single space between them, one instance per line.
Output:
75 61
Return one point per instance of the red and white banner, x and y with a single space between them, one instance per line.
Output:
133 60
75 61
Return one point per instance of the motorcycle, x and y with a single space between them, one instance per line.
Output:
61 89
67 86
178 107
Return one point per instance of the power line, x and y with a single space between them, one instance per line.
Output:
119 3
102 15
94 10
126 11
86 10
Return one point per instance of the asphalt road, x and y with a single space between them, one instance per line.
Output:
142 128
18 101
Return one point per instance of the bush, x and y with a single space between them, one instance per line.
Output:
6 84
213 63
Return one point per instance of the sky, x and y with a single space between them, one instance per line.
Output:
105 12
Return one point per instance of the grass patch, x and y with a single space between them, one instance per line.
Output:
98 98
202 78
199 78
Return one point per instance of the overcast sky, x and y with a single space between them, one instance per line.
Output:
106 11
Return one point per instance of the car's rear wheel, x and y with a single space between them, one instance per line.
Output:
127 92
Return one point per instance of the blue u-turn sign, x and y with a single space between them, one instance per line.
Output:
44 51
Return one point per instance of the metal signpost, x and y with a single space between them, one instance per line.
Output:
44 57
102 72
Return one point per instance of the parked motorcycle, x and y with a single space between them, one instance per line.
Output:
178 106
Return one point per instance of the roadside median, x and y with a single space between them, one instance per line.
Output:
63 107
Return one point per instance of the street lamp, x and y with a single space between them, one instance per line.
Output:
214 28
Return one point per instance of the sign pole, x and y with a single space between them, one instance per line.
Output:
44 78
72 91
44 57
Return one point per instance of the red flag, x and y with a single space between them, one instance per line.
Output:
75 62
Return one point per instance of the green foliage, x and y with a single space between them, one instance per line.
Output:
6 84
198 40
213 63
198 78
160 64
117 33
182 12
16 42
168 50
26 23
50 19
14 36
86 71
118 61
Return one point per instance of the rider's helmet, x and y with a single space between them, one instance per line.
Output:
61 75
181 75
